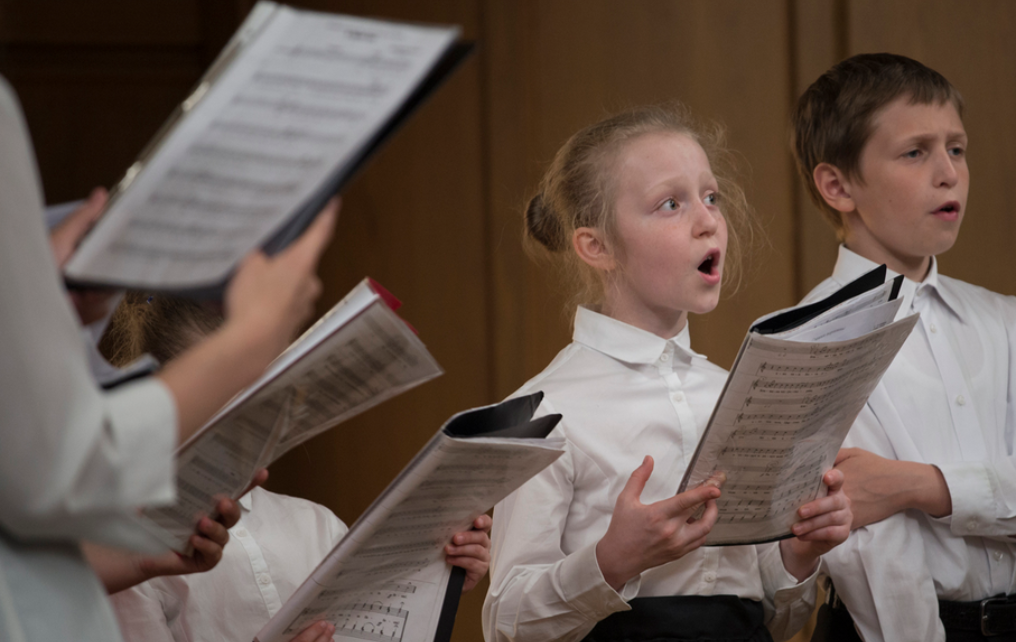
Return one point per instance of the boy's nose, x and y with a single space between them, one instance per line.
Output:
946 173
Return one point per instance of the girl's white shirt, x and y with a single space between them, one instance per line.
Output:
624 393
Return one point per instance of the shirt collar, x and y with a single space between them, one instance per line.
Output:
625 342
850 265
245 501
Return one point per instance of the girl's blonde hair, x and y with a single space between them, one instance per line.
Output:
161 325
578 191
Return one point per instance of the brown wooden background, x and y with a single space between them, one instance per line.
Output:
436 217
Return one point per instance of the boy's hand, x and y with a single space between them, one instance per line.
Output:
880 487
825 523
317 632
643 536
471 550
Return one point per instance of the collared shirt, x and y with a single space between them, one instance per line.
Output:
947 399
74 461
274 547
624 393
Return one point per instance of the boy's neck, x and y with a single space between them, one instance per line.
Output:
915 268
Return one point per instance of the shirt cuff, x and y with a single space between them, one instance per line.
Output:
584 587
143 422
777 578
972 497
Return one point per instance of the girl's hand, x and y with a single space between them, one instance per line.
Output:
825 524
642 536
471 551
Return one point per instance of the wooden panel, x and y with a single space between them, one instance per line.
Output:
973 48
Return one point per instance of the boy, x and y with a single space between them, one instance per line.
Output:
880 143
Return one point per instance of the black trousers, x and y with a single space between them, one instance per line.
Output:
836 625
685 618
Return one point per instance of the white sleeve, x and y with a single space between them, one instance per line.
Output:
880 571
788 604
74 461
984 492
537 593
141 614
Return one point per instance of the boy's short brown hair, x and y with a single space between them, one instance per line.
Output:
833 118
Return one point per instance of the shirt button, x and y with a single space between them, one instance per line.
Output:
241 532
933 328
997 555
264 579
665 358
709 576
972 524
678 396
961 400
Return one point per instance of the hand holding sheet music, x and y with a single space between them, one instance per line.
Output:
797 385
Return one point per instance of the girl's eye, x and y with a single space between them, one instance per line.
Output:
669 204
712 198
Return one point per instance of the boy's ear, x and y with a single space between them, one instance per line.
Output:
834 187
592 248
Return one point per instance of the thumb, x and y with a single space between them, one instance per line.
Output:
312 243
833 479
637 482
65 237
843 455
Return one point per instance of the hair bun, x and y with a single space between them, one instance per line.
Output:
543 226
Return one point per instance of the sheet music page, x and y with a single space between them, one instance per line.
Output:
404 533
779 423
298 101
371 358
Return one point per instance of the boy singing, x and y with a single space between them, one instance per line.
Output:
929 467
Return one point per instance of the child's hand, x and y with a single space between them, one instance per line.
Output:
471 551
825 523
317 632
642 536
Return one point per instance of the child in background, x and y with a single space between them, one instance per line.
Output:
278 541
879 140
633 210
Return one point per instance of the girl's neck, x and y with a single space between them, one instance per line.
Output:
665 324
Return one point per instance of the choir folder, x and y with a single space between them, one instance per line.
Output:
294 105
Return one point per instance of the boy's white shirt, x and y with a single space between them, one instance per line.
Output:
944 401
624 393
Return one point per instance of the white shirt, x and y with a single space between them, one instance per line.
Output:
274 547
947 399
624 393
73 460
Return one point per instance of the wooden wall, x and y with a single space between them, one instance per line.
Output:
436 217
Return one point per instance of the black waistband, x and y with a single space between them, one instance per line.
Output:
719 618
991 616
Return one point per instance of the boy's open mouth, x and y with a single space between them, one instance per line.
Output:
949 208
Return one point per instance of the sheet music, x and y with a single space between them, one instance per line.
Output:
406 610
404 532
782 416
358 356
305 93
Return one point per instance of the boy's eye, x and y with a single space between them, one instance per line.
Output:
914 153
957 151
669 204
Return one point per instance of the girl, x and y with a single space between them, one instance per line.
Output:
632 210
278 541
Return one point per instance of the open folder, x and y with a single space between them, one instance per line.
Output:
357 355
290 110
797 385
387 579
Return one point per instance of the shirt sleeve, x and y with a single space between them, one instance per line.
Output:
142 615
74 461
880 572
537 592
788 604
984 492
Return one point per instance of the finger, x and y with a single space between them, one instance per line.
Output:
632 490
844 454
78 221
206 552
829 503
833 479
686 503
830 534
470 565
213 530
839 518
307 249
260 477
473 550
483 523
470 537
317 632
228 512
701 527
